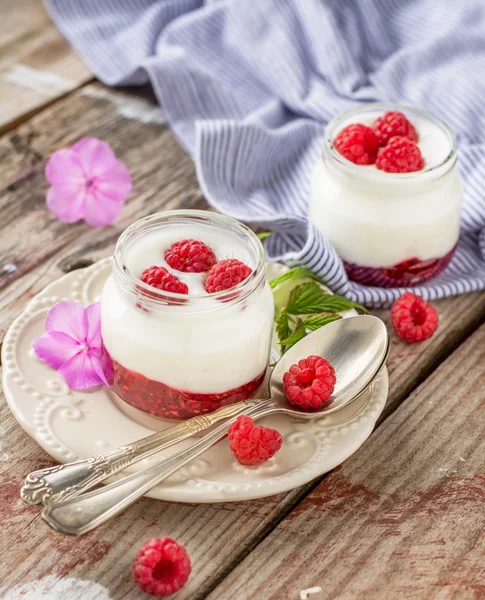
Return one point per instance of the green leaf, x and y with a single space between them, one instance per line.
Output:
263 235
296 335
334 303
306 298
316 321
282 326
292 274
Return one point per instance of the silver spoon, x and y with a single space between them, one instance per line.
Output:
357 348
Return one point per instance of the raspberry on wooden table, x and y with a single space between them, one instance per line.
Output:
190 256
394 123
160 278
413 319
309 383
358 143
161 567
251 444
400 156
226 274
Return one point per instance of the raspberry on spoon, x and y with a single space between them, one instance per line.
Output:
160 278
161 567
391 124
413 319
190 256
309 383
358 143
400 156
226 275
251 444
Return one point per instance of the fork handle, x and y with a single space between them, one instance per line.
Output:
80 515
59 483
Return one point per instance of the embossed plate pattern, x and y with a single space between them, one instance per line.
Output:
70 424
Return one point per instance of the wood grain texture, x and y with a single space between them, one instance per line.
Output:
218 537
36 64
403 518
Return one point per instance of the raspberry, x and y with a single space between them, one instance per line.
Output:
226 274
161 567
358 143
400 156
413 319
392 124
190 256
310 383
160 278
251 444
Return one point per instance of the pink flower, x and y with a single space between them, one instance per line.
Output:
88 182
72 345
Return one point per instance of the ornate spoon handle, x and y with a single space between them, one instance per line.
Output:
59 483
80 515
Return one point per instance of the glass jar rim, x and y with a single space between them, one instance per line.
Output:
163 298
356 170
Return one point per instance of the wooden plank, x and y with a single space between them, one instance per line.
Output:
36 63
42 248
403 518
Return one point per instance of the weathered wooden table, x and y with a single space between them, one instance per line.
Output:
402 518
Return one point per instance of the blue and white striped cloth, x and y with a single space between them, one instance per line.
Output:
248 86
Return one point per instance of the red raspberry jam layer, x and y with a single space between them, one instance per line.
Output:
409 272
160 400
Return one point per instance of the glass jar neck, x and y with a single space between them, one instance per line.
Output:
153 299
369 176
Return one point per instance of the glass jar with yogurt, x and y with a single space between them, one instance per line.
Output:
180 355
390 229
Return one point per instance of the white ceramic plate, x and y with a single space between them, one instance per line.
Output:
71 425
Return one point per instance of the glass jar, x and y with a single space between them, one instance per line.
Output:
176 356
390 229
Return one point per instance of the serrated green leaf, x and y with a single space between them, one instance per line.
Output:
264 234
316 321
296 335
306 298
334 303
292 274
282 326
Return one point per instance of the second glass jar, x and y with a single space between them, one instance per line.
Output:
176 356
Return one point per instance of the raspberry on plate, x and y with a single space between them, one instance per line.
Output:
226 274
160 278
251 444
358 143
190 256
310 383
400 156
413 319
391 124
161 567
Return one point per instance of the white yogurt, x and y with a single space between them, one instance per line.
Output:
378 219
204 346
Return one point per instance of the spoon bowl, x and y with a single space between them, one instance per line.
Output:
356 347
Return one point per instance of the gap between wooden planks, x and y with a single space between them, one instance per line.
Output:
218 537
36 64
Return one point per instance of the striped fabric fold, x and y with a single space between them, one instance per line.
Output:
248 87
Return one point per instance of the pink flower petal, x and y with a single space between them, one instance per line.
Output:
115 184
100 212
103 365
66 206
96 157
80 373
55 348
93 335
63 170
68 317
